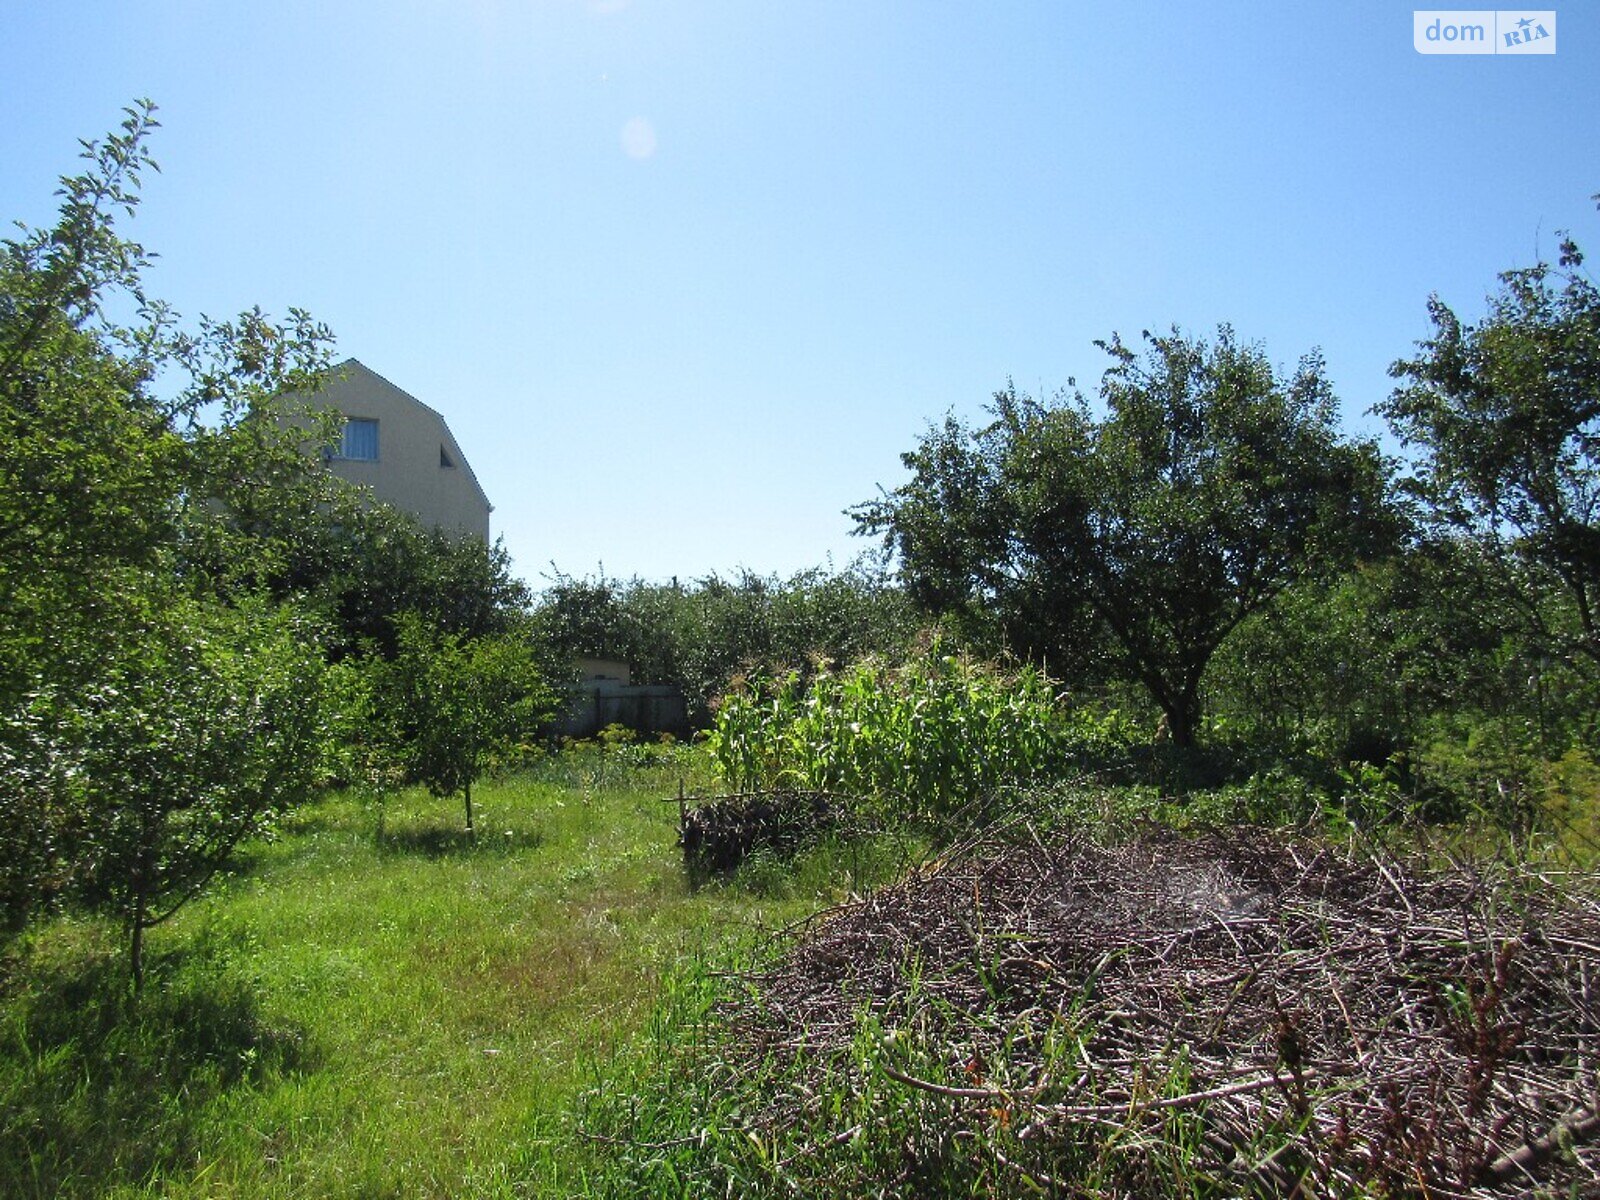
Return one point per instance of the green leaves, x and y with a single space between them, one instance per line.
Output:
131 790
127 451
198 736
924 739
699 635
454 706
153 710
1209 486
1506 415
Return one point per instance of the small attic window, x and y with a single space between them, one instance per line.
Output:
444 457
360 440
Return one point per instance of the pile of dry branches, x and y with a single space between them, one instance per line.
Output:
720 833
1398 1030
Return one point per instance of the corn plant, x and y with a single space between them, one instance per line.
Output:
930 736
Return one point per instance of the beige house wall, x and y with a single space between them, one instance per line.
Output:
607 670
413 444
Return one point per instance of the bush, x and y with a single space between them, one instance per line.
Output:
697 636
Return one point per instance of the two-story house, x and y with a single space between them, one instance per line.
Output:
403 450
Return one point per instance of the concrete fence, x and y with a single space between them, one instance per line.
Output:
646 709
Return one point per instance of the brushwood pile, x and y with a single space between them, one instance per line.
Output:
721 833
1296 1015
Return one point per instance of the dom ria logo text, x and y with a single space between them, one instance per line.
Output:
1484 31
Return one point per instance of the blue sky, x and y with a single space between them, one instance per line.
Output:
686 277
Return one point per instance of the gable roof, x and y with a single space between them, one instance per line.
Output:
352 367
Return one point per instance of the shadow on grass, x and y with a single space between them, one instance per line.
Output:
99 1089
439 841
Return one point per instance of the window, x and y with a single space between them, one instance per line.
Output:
444 457
360 440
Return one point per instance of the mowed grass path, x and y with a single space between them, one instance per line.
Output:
366 1011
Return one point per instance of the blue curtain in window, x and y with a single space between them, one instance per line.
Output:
360 439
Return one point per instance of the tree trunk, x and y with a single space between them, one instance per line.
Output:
1185 711
471 832
136 945
1183 721
139 884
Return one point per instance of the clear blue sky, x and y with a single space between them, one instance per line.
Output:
686 277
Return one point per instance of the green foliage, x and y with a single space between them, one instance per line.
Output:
699 636
1506 415
38 812
121 431
120 445
165 528
206 728
361 565
456 706
1409 666
925 739
616 757
152 713
1209 487
1350 667
1568 799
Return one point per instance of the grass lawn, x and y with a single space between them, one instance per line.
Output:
373 1009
